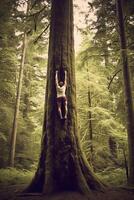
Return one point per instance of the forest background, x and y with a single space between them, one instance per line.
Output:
100 96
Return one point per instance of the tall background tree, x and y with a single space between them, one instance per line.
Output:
127 90
8 65
13 24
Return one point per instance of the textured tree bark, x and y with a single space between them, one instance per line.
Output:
127 91
61 165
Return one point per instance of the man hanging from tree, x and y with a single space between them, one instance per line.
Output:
61 96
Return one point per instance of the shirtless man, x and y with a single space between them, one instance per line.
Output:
61 96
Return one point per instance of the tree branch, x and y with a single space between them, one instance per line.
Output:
30 15
113 78
37 13
36 40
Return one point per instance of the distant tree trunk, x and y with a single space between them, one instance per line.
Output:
61 166
113 146
26 97
105 45
90 121
127 91
105 50
17 105
90 136
7 38
104 38
126 164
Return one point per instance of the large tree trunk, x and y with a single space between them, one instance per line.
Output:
17 105
61 166
127 91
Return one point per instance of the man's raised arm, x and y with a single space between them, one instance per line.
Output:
56 77
65 82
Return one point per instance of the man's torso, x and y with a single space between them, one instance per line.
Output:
61 91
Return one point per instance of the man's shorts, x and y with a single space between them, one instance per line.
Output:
61 101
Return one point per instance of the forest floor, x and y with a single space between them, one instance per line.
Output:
13 192
14 181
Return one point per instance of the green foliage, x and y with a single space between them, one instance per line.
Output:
32 98
12 176
113 177
92 78
97 63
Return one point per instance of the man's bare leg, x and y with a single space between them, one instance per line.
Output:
65 117
60 113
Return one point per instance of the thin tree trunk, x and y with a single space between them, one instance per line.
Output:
125 162
104 41
105 46
90 123
127 91
113 146
106 57
17 105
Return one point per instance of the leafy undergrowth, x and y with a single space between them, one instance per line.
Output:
113 177
12 176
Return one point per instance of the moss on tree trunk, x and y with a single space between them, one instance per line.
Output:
61 166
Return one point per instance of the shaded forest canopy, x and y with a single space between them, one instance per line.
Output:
102 121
